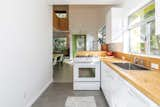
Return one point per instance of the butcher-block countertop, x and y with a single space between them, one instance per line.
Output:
91 53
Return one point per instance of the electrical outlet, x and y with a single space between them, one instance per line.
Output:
24 95
154 66
123 58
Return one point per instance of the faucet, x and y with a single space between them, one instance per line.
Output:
138 61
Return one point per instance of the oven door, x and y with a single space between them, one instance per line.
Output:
87 71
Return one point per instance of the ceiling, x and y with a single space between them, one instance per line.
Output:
86 2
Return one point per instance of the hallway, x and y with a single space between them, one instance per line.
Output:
63 73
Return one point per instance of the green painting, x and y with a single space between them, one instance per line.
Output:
78 43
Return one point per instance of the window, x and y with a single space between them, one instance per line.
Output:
142 31
142 15
154 41
137 39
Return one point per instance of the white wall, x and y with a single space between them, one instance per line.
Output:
25 51
86 20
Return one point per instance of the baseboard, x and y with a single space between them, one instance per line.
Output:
39 94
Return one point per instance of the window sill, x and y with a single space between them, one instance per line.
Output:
149 56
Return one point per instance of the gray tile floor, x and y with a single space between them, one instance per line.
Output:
56 94
63 73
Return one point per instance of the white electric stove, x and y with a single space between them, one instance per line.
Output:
86 73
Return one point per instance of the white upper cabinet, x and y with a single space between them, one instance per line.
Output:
157 16
114 24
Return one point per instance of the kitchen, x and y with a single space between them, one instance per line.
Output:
74 53
123 61
126 79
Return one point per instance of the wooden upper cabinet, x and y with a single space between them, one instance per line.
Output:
55 21
60 18
63 24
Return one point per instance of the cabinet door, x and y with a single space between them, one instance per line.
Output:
116 23
157 16
110 84
125 97
106 82
106 79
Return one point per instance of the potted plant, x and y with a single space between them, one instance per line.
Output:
104 46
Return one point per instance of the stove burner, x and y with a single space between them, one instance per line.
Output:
86 59
86 56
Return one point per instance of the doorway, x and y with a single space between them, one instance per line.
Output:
62 68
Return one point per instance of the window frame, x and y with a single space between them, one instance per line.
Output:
146 23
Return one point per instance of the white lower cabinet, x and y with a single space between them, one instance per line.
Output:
119 93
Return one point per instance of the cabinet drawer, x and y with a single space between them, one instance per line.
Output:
140 97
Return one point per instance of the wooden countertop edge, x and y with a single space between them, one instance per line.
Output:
137 86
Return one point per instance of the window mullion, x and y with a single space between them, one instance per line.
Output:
148 38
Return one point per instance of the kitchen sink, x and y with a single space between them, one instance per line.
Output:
130 66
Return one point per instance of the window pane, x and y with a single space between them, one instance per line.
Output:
142 14
137 40
154 41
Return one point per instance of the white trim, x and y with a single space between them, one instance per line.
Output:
85 2
39 94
